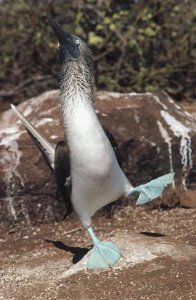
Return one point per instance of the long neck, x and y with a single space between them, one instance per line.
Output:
76 79
76 90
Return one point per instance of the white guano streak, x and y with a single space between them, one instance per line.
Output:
156 98
12 159
182 132
167 139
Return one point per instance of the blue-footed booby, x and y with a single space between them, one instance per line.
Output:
57 158
96 176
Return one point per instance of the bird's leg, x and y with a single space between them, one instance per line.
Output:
104 254
152 189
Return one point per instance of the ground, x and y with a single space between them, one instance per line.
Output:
45 261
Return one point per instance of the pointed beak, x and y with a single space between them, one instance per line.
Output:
68 49
62 36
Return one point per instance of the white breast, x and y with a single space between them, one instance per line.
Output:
89 147
96 176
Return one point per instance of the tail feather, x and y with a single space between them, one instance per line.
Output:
44 146
153 188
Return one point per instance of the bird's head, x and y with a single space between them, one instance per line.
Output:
71 47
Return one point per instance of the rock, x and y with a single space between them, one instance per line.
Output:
49 261
137 249
155 136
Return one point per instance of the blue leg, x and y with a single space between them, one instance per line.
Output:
153 188
104 254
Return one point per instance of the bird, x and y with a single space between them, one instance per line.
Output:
97 178
57 158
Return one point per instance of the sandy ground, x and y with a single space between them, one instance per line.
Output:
48 261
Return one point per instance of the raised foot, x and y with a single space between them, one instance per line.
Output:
153 188
104 255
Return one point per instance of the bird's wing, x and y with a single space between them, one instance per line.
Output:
44 146
113 143
153 188
56 159
62 174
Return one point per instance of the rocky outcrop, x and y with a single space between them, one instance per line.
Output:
155 136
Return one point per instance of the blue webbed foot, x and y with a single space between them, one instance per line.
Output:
153 188
104 254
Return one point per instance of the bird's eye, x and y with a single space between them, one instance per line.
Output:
77 42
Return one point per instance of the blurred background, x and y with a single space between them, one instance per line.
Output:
139 45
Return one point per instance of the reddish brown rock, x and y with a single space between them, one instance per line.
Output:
154 134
